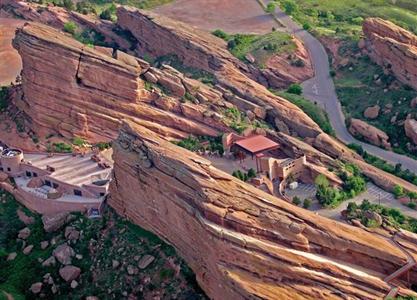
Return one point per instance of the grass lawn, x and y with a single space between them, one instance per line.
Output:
344 18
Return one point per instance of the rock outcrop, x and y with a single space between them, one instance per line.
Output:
241 242
369 133
160 36
74 90
392 47
410 127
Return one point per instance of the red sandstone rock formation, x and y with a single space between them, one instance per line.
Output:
158 36
370 133
392 47
241 242
410 127
74 90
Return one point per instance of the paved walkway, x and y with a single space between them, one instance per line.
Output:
373 193
321 89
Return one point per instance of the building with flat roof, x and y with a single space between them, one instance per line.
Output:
57 177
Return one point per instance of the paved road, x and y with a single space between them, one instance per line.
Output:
320 89
373 193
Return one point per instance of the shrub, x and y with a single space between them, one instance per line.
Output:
251 173
62 148
108 13
68 4
77 141
70 27
296 201
103 145
295 88
307 203
4 102
270 8
412 205
306 26
398 191
289 7
221 34
298 63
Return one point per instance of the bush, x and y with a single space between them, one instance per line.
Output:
289 7
296 201
108 13
68 4
62 148
4 101
307 203
412 205
70 27
270 8
306 26
398 191
295 88
221 34
251 173
77 141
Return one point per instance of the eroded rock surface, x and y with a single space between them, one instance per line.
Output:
369 133
240 241
392 47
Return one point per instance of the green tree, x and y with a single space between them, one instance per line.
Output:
290 7
307 203
251 173
108 13
68 4
70 27
321 180
270 8
398 191
295 88
296 201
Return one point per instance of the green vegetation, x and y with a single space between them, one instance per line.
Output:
109 13
344 18
244 176
383 165
260 47
77 141
198 143
295 89
237 119
4 101
354 184
102 241
70 27
390 216
312 110
59 148
270 8
307 203
296 201
362 84
102 145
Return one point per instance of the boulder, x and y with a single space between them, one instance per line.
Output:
413 103
369 133
27 220
51 261
44 245
52 223
63 253
36 287
24 233
374 217
71 233
69 273
145 261
410 127
11 256
27 250
372 112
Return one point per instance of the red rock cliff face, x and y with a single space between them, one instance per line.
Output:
74 90
392 47
241 242
158 36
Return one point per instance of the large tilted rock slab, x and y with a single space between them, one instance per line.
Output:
392 47
74 90
241 242
159 36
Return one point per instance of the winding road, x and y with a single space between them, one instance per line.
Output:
321 89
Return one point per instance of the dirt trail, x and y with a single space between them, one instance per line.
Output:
10 62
